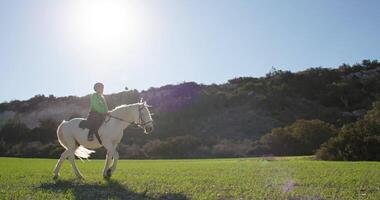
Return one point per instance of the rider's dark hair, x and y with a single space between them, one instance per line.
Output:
97 85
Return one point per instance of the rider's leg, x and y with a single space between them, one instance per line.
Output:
91 133
97 121
91 120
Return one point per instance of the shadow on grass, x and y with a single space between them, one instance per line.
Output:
110 190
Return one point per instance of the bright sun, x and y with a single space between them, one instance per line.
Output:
104 25
103 21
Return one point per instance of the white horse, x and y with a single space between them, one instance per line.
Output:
74 139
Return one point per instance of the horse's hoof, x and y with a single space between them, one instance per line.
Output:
109 173
80 177
107 176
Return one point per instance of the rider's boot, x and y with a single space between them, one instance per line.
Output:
90 136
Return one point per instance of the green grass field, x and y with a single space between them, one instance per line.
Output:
240 178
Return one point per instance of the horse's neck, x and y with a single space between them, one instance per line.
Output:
127 115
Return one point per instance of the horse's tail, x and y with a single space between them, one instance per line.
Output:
61 138
83 152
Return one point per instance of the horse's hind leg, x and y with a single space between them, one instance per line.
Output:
72 146
59 163
74 166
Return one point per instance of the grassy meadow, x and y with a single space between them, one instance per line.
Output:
240 178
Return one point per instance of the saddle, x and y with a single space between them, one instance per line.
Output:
85 124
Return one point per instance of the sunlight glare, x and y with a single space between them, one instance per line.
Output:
104 26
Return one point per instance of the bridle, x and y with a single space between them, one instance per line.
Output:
141 122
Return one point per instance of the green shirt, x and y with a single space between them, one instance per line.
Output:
98 103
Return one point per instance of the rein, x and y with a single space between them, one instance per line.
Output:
110 116
141 120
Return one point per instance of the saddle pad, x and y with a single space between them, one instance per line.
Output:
84 124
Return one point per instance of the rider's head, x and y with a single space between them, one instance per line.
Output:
99 87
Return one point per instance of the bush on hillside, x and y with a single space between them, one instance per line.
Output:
357 141
302 137
14 131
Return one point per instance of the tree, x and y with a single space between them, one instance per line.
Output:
357 141
302 137
45 132
14 131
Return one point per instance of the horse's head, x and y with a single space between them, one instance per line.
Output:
137 113
144 119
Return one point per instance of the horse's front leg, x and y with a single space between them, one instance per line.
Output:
115 160
109 155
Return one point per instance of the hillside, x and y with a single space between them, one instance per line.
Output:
243 109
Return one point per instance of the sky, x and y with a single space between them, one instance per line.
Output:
63 47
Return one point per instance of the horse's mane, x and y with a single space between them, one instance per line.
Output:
124 106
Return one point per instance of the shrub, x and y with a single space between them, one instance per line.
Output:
357 141
302 137
351 147
180 146
131 151
14 131
228 148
